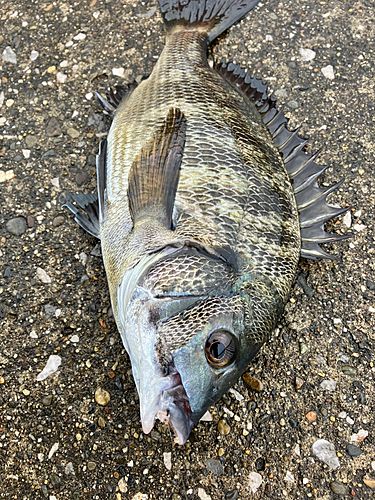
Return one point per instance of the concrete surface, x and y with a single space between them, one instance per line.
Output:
55 440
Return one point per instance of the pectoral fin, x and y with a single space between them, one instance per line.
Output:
154 175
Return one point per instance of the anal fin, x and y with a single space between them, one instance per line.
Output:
304 172
155 172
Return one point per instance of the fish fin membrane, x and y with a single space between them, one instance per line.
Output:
155 172
212 16
111 99
304 172
85 209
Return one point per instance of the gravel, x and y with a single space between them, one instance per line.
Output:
16 226
308 347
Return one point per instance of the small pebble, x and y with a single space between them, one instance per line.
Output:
91 466
74 339
9 55
53 450
215 466
31 140
203 495
252 382
52 365
72 132
328 385
311 416
2 380
79 37
369 482
347 219
207 417
69 469
353 450
122 486
43 276
6 175
16 226
325 451
223 427
328 72
299 383
307 54
167 459
102 397
118 72
58 221
53 128
34 54
359 437
101 422
61 77
255 480
338 488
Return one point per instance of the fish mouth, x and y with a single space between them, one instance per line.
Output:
167 401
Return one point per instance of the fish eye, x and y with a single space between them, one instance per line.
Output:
220 348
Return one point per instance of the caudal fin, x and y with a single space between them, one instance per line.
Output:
212 16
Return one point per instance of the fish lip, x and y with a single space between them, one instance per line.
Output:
173 408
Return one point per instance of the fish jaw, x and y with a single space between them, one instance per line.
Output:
166 400
161 393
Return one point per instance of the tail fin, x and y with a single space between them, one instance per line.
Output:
216 15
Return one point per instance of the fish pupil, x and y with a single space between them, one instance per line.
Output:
218 350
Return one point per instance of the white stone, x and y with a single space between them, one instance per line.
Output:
34 54
9 55
255 480
55 182
61 77
328 385
43 276
79 37
307 54
207 417
347 219
2 97
328 72
359 227
52 365
53 450
360 436
74 339
203 495
26 153
118 72
6 175
167 458
289 477
325 451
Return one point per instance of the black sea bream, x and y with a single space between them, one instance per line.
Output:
205 204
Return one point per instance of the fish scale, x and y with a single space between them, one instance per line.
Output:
206 201
213 171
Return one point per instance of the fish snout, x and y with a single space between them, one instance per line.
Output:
165 399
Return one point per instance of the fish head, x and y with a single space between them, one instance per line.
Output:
186 352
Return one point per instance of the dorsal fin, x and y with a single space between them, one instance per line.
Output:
314 211
155 172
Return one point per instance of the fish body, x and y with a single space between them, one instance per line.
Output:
198 219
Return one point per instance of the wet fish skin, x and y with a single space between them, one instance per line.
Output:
234 201
198 220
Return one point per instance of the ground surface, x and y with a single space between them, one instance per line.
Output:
50 127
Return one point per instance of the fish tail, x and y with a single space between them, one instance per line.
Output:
212 16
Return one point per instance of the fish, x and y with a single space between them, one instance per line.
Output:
205 203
